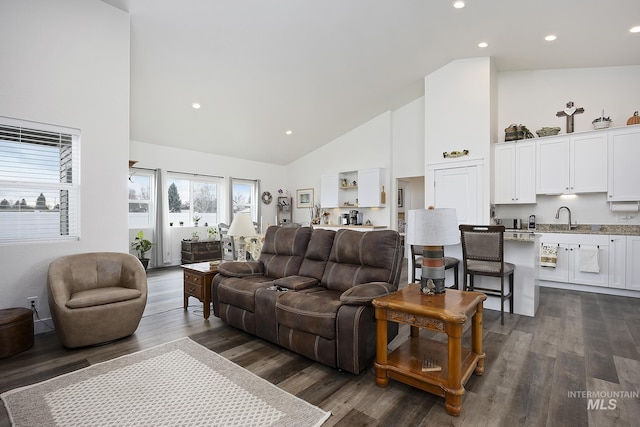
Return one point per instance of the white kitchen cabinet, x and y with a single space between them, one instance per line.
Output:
370 183
632 273
329 190
617 261
623 169
515 171
362 188
572 164
568 267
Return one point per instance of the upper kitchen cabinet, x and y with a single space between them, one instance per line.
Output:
361 188
623 170
572 164
515 172
371 188
329 190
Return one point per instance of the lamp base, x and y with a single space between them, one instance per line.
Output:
432 277
242 250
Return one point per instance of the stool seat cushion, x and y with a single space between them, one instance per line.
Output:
16 331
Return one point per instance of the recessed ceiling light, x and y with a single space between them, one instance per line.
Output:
483 44
550 38
195 105
289 132
458 4
635 29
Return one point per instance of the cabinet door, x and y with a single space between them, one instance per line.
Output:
504 172
552 166
588 163
632 276
459 188
587 278
561 272
623 171
617 261
370 182
329 188
525 173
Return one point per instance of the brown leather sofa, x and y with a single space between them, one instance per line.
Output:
311 291
96 297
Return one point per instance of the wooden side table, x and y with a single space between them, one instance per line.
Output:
445 313
197 283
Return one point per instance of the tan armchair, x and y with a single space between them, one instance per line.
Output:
96 297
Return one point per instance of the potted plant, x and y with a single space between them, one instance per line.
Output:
194 236
196 219
213 232
142 246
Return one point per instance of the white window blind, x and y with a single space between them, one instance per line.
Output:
39 181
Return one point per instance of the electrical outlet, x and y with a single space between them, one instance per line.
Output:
33 302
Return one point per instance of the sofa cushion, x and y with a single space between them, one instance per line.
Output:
296 283
358 257
363 294
101 296
311 311
240 291
317 254
241 269
283 250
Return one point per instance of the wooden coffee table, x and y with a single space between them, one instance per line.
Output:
197 283
446 313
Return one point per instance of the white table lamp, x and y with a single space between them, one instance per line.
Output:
432 229
241 227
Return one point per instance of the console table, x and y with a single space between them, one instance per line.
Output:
446 313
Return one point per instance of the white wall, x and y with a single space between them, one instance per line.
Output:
367 146
151 156
407 130
67 63
533 98
458 101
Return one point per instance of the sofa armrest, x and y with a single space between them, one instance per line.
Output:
363 294
241 269
296 283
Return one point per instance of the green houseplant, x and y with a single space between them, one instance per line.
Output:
142 246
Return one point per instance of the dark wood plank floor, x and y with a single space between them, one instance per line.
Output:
534 370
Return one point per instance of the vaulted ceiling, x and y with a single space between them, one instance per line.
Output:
259 68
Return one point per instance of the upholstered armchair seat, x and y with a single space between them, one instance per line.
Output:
96 297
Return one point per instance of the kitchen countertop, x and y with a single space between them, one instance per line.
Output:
520 237
612 229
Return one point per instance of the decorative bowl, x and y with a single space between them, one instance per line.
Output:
548 131
601 124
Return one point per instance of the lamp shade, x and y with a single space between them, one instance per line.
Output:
241 226
432 227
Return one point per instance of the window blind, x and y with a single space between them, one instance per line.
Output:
39 185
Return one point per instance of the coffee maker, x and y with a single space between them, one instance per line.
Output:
355 218
344 219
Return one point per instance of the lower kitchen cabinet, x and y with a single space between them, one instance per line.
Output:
571 266
625 262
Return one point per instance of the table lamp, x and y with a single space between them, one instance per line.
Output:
241 227
432 229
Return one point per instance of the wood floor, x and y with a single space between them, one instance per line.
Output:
537 370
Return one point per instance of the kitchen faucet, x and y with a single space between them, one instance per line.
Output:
569 211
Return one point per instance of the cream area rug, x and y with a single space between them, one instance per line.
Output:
180 383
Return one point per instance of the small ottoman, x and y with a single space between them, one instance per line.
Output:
16 331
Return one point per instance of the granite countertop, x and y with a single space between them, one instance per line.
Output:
613 229
521 237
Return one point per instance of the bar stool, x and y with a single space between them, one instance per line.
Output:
483 255
449 262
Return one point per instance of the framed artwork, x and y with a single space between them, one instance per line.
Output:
400 197
304 198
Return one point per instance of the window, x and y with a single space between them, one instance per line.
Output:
39 181
193 196
244 197
141 195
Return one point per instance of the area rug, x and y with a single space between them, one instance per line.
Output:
180 383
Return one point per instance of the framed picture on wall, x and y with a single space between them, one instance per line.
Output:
400 197
304 198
